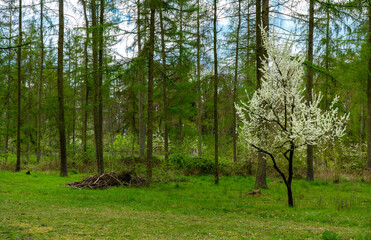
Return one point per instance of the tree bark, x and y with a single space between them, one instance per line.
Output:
248 46
260 180
39 89
86 78
199 107
100 94
180 121
150 93
61 122
97 77
141 97
309 77
234 115
19 60
28 131
164 81
216 131
369 93
7 123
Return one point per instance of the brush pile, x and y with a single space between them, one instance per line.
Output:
111 179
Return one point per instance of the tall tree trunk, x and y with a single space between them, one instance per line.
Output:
74 109
327 53
199 107
39 89
234 133
180 121
309 77
262 13
150 93
164 81
248 47
19 60
327 152
369 93
7 123
141 97
100 97
97 88
28 132
216 131
86 78
61 122
95 72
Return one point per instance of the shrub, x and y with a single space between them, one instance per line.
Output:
194 165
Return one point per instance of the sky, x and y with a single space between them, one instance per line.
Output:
74 18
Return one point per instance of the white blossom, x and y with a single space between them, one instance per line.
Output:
278 114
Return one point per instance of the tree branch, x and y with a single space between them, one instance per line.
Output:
17 46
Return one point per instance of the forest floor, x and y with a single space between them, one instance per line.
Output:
41 206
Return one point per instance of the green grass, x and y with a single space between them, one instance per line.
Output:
41 206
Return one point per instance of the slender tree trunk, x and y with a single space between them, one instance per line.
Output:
97 77
248 47
291 173
180 121
327 56
262 13
9 91
327 152
19 60
289 196
28 132
164 81
86 78
369 93
61 122
39 89
199 107
95 73
309 77
141 97
150 93
234 134
74 110
287 180
99 94
216 131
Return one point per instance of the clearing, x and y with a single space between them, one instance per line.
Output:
41 206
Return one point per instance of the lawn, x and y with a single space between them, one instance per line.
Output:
41 206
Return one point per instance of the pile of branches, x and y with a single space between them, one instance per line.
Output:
108 180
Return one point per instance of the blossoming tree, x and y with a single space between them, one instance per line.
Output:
277 120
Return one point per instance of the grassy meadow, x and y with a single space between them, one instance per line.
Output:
41 206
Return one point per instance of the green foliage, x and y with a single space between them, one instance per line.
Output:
194 165
125 145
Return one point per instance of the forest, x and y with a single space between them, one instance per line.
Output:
253 112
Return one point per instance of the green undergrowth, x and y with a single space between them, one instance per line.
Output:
41 206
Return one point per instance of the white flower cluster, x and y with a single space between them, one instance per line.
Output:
278 114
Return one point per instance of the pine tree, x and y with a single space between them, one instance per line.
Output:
61 120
